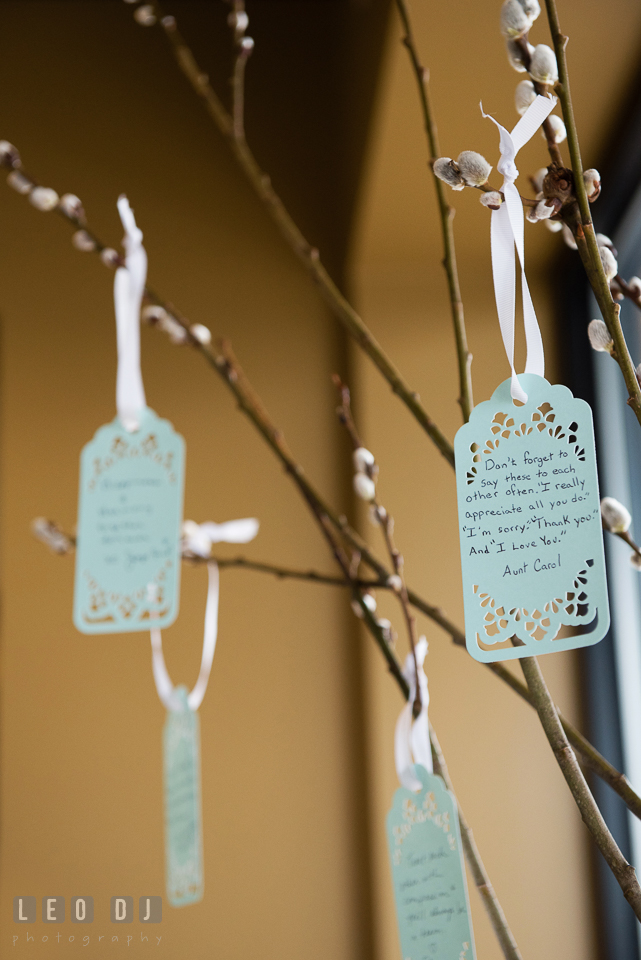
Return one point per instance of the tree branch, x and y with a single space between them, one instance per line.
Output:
590 813
307 254
477 868
387 525
447 216
589 755
579 219
256 413
60 542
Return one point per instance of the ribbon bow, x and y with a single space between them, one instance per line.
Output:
412 736
506 234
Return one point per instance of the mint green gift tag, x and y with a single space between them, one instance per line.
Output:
530 524
183 821
428 874
129 517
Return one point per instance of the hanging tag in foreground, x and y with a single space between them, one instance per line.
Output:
129 516
183 820
428 873
530 524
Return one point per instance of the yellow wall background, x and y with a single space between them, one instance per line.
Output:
298 719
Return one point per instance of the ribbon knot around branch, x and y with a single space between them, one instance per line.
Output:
507 233
412 736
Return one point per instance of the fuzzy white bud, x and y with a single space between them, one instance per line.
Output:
247 45
153 313
616 517
592 181
447 171
368 600
559 133
516 55
71 206
364 486
110 257
604 241
385 626
395 583
377 515
543 210
543 66
145 15
532 8
82 241
200 333
363 458
492 199
157 316
599 337
568 238
610 265
474 168
514 20
634 283
43 198
48 533
239 21
554 226
18 182
9 156
524 95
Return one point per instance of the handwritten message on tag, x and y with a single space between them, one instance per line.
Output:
183 822
530 525
129 516
428 873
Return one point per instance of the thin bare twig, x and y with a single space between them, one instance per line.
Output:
590 813
61 543
275 439
589 755
481 879
446 213
477 869
579 219
244 47
387 525
307 254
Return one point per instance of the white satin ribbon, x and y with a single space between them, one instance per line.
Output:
412 736
164 686
507 231
199 537
129 286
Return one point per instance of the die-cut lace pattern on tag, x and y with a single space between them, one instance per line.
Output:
505 425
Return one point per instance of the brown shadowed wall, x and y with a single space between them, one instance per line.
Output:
298 719
97 107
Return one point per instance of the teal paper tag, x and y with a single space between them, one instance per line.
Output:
428 873
129 516
183 821
530 525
